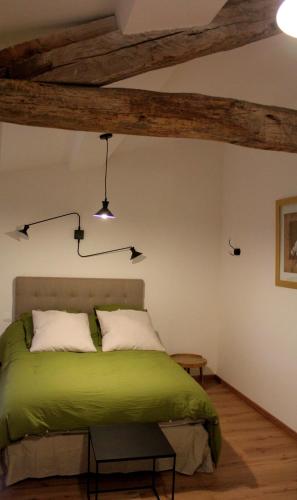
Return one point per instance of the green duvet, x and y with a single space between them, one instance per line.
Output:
60 391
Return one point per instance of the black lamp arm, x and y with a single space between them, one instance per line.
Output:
57 217
79 235
100 253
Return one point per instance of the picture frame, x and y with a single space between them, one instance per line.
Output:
286 243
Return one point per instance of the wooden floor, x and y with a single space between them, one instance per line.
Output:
259 461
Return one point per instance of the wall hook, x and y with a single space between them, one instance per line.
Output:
236 251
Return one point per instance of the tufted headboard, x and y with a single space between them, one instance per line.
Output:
78 294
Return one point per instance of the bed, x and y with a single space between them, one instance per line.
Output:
48 399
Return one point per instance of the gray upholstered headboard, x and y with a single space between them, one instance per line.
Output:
79 294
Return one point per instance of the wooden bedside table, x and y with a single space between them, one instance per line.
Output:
188 361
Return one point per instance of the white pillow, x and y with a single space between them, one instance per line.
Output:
126 329
61 331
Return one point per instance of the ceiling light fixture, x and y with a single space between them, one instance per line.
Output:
104 212
79 235
286 17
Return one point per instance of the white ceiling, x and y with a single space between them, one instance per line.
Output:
263 72
24 19
135 16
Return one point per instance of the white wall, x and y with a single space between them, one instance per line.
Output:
166 194
258 341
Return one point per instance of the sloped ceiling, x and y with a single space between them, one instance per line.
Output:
22 20
136 16
263 72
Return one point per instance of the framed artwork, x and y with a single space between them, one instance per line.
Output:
286 243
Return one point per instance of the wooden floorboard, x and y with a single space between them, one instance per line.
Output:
258 462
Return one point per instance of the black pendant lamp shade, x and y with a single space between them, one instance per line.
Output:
104 212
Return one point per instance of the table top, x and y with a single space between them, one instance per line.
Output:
189 360
132 441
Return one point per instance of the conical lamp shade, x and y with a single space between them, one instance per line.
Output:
104 212
24 231
134 253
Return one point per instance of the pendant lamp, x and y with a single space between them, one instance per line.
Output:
104 212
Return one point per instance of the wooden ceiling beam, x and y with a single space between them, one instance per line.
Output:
23 51
106 58
139 112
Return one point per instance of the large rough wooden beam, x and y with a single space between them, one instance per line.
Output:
22 51
111 57
139 112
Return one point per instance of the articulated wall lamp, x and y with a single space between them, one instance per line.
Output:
79 235
24 231
104 212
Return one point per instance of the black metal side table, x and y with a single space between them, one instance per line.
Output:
127 442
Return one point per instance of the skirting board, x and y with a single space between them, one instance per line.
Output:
259 409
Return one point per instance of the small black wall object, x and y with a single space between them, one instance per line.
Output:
79 234
236 251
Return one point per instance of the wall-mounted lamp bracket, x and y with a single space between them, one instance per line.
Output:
236 251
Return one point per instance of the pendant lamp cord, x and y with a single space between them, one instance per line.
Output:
106 160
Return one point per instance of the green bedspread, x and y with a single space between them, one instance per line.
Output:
60 391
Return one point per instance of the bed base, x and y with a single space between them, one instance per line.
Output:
66 455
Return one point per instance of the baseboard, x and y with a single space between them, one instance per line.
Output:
259 409
208 377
